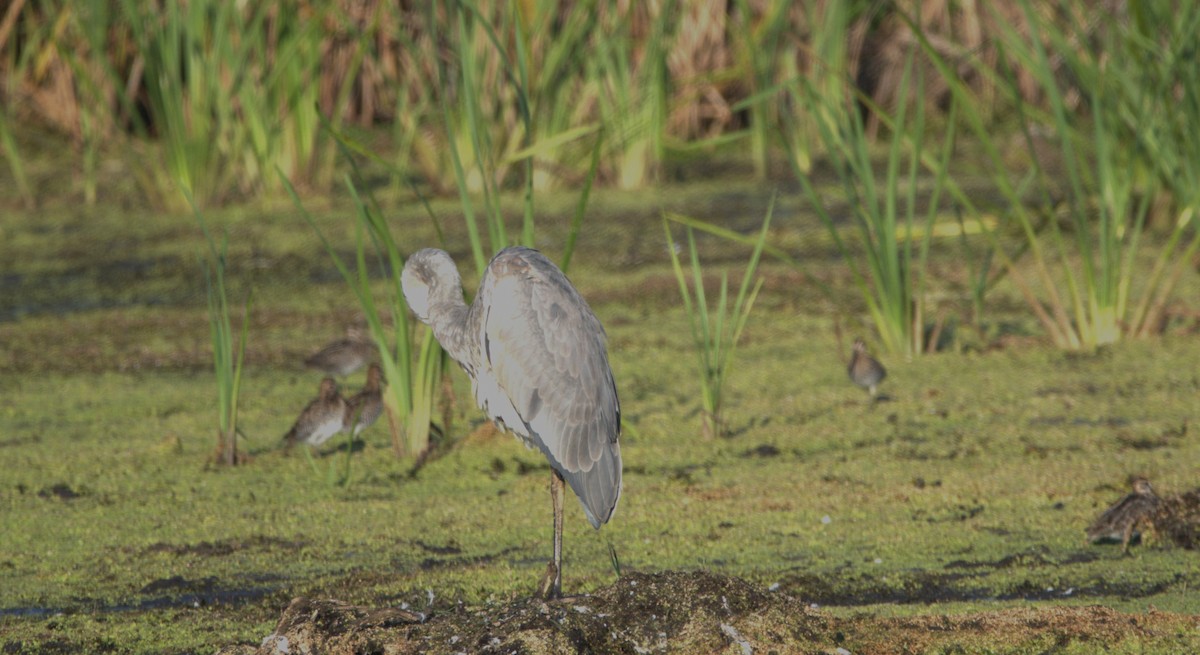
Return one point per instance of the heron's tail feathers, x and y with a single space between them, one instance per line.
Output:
599 488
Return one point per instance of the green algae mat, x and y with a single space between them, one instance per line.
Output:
948 517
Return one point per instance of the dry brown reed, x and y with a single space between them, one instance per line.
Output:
389 54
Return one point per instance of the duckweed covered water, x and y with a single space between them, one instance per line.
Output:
965 493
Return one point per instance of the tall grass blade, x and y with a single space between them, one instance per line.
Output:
227 363
716 331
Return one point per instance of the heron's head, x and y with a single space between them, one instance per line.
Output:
430 277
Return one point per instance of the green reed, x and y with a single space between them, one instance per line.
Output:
1127 150
885 216
716 331
227 361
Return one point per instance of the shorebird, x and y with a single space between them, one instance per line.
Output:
1128 517
341 357
364 407
865 370
538 365
324 417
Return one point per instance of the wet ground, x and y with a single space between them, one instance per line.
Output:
947 518
700 612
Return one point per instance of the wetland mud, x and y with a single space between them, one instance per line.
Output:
691 612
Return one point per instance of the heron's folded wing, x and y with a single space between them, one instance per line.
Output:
546 350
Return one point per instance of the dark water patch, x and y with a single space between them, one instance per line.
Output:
430 563
225 547
1142 443
761 450
496 468
958 513
1042 451
207 597
110 284
61 491
183 593
20 441
853 591
75 306
1029 590
30 612
525 468
684 473
929 587
448 549
1054 421
169 280
1028 559
1165 439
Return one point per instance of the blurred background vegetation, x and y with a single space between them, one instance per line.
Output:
219 94
1079 115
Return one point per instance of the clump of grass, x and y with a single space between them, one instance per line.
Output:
885 215
1130 146
227 363
16 165
715 331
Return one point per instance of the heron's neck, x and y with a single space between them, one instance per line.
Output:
451 325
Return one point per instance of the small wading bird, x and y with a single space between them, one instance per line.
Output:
367 404
1129 516
864 369
341 357
324 417
536 358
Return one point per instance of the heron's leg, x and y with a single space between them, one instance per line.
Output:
551 586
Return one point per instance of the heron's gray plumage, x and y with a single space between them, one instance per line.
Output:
536 356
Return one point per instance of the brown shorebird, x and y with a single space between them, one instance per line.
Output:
865 370
1128 517
341 357
364 407
324 417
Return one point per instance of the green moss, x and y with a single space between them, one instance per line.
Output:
968 490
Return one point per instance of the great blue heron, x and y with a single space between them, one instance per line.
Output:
324 417
538 366
365 407
865 370
1127 516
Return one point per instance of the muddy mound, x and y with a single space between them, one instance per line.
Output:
1178 519
691 612
672 612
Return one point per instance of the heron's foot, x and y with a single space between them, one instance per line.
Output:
551 587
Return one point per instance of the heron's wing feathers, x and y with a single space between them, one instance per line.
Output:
546 351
